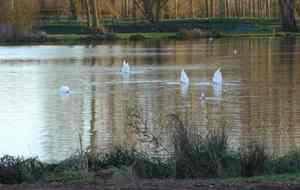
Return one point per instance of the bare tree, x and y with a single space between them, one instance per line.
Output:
74 5
88 12
92 13
95 16
207 8
159 4
150 9
287 11
18 17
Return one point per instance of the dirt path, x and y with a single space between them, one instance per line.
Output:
157 185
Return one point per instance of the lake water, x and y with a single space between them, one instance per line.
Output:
258 101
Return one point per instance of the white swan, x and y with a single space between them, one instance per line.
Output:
217 90
217 78
184 88
202 97
184 79
235 52
64 91
125 67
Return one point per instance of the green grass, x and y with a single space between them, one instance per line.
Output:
73 39
70 177
210 158
248 35
202 20
283 178
70 39
71 32
228 25
66 37
150 35
81 38
259 34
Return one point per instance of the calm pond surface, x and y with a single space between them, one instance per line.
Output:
259 100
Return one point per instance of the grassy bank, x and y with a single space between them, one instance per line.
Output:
162 36
291 178
88 168
194 157
82 39
229 25
87 39
181 29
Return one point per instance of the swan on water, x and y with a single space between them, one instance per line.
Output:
217 78
235 52
184 79
125 67
184 88
217 90
125 76
202 97
64 91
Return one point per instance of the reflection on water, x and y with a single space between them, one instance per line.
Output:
259 100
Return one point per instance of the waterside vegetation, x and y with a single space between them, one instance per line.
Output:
205 157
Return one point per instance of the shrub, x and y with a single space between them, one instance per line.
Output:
194 156
197 33
117 158
289 163
137 37
18 170
253 160
203 157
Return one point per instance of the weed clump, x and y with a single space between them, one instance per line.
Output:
199 156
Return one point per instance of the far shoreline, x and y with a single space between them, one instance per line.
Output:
84 39
77 33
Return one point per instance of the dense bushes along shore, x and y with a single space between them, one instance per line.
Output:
200 157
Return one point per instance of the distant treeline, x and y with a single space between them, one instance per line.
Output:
169 9
154 10
22 15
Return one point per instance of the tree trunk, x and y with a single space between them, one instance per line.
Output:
226 8
206 8
192 8
88 13
158 11
134 10
212 8
287 12
236 6
176 9
298 8
268 8
147 10
73 9
95 18
125 8
222 8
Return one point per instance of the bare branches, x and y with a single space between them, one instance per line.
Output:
287 11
